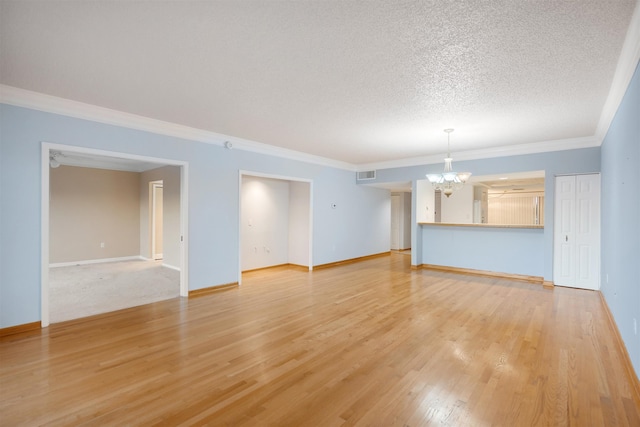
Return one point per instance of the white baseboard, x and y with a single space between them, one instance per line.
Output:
173 267
96 261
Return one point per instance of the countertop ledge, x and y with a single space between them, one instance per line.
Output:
448 224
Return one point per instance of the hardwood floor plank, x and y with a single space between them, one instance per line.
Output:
367 343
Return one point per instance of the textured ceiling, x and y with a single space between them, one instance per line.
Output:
356 81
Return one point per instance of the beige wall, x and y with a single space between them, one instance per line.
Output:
170 177
93 206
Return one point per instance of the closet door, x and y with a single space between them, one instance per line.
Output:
564 272
577 231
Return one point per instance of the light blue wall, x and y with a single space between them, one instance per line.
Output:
621 218
503 250
554 163
357 227
357 209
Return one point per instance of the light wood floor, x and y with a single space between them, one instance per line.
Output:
372 343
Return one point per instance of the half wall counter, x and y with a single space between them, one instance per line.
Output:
507 249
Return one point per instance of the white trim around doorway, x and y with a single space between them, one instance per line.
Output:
47 147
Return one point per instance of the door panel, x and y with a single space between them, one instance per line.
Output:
566 263
583 262
564 260
588 234
577 233
157 220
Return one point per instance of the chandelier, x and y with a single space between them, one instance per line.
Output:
448 180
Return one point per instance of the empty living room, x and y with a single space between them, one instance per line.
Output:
319 213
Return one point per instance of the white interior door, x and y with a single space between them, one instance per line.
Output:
577 231
395 222
564 258
587 231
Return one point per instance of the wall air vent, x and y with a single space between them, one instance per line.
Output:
365 175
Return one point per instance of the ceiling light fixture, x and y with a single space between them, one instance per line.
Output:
53 159
448 180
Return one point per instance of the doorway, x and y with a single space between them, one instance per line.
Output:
91 156
395 222
156 194
437 203
400 232
275 218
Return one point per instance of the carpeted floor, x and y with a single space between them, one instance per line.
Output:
85 290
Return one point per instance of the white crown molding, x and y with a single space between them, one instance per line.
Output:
42 102
271 150
486 153
626 67
66 107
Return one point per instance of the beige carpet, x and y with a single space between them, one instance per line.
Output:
85 290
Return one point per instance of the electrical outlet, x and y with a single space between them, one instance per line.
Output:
607 277
102 244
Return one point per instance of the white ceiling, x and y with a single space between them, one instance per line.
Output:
355 81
